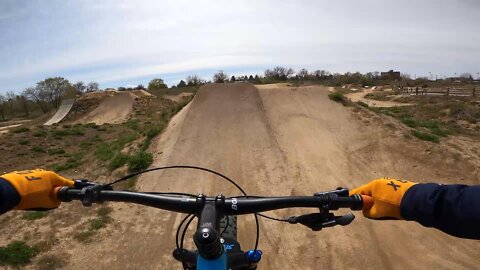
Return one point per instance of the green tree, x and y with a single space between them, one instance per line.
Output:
51 90
156 83
181 84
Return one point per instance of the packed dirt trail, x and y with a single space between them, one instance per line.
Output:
284 141
113 109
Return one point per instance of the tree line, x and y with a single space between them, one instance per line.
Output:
44 96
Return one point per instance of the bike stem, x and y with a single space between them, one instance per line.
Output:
207 236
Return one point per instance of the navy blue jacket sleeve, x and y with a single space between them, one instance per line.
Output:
453 209
9 197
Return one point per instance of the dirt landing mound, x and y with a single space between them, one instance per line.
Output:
285 141
114 109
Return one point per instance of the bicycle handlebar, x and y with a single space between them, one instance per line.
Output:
193 205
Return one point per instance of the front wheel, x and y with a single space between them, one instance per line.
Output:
228 228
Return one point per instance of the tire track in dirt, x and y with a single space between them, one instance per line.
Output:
281 141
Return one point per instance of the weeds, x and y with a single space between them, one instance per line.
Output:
24 142
425 136
33 215
17 254
118 161
51 262
108 150
40 133
133 124
20 129
55 151
72 162
75 131
139 161
95 224
37 149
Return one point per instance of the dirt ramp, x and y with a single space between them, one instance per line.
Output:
62 111
114 109
284 141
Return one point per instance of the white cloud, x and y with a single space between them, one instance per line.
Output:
122 40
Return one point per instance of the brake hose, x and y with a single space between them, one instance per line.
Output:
201 169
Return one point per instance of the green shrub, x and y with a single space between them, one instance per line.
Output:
75 131
72 162
336 96
107 150
150 134
32 215
38 149
118 161
92 125
133 124
363 104
56 151
139 161
17 254
20 129
425 136
40 133
24 142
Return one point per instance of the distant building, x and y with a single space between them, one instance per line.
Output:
391 75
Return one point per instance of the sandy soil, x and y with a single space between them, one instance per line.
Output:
178 97
282 141
360 96
114 109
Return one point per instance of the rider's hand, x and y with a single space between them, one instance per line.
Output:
387 196
35 188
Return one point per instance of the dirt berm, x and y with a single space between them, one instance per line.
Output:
283 141
113 109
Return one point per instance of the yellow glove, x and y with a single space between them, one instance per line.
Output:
387 195
35 188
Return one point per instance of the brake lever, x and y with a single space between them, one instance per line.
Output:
318 221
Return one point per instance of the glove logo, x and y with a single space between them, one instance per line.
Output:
394 186
32 178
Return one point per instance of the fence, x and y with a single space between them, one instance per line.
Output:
444 91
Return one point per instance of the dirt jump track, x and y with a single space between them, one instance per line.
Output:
285 141
113 109
62 111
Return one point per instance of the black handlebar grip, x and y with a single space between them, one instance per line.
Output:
61 194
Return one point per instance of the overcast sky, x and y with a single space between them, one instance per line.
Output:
119 43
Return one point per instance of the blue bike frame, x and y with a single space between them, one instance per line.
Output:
217 264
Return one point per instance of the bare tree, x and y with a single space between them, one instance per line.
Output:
38 97
10 97
23 101
278 73
3 104
220 77
79 87
194 80
303 73
92 86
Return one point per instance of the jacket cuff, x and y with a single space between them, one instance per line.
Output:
9 197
